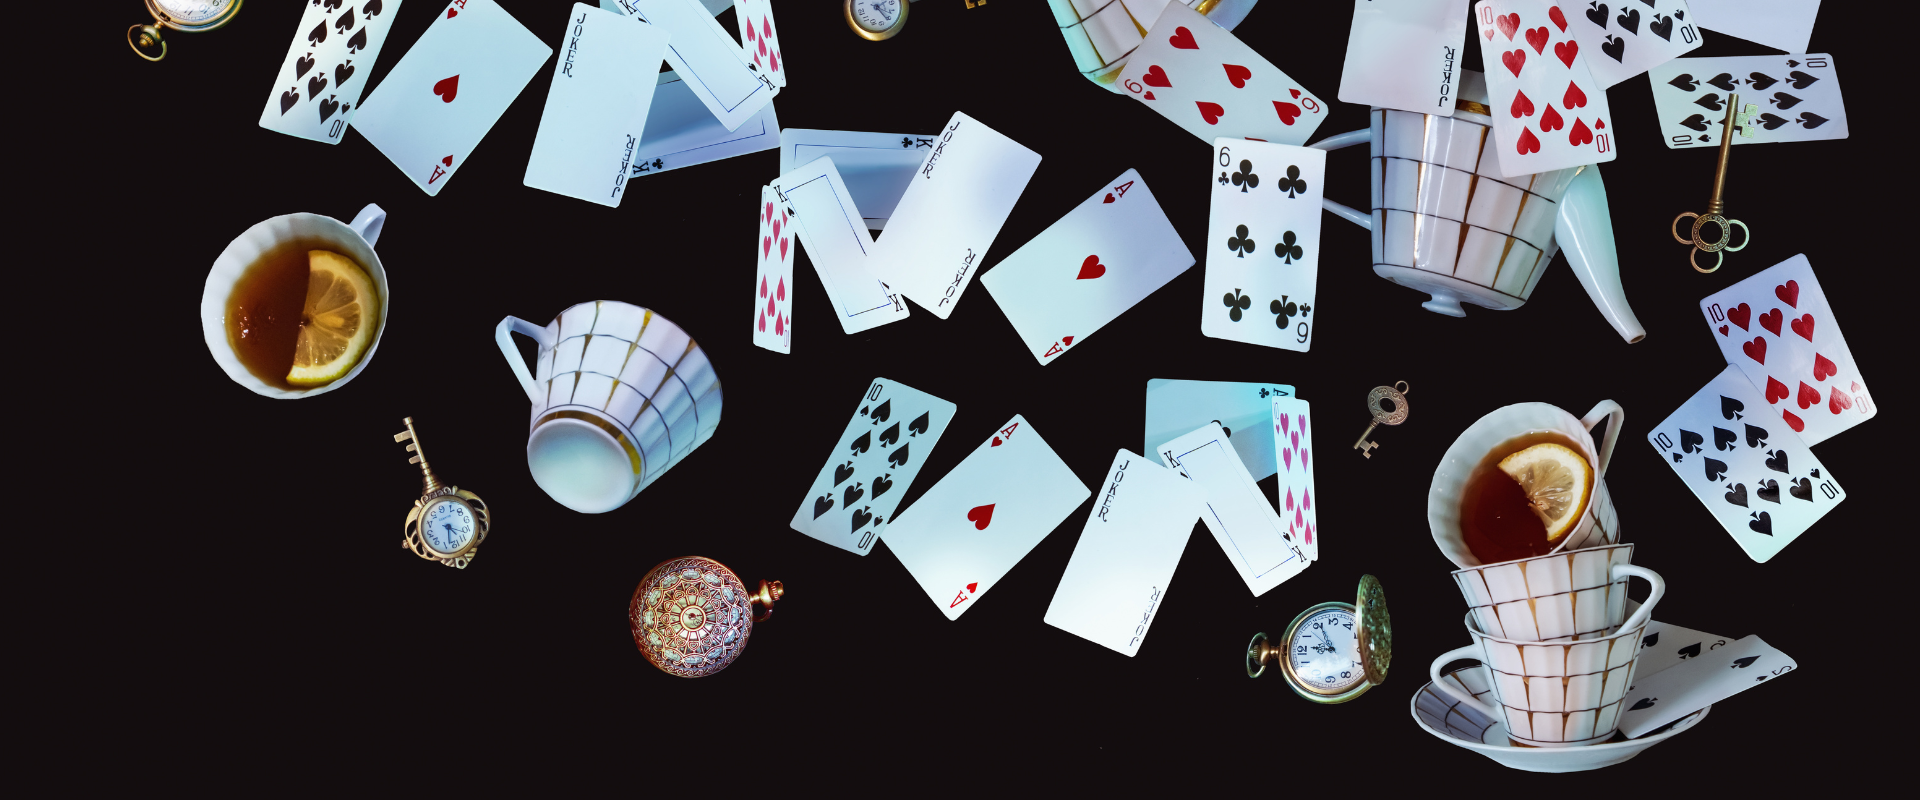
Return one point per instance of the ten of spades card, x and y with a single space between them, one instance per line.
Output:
852 500
1793 98
1211 84
318 86
1548 111
1263 243
1778 328
1628 37
772 299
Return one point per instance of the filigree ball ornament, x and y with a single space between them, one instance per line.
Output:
691 616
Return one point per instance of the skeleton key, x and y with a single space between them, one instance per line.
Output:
1714 206
1397 396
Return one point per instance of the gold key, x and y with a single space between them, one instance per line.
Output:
1714 206
1395 396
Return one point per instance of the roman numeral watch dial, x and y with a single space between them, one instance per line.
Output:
1332 652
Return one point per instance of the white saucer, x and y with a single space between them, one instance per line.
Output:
1455 723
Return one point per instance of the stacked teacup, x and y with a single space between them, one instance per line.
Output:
1553 630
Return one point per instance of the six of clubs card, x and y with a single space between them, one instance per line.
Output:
1263 243
889 437
333 52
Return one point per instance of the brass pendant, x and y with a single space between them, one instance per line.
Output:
447 524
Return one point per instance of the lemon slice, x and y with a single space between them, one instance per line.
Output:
1555 480
336 327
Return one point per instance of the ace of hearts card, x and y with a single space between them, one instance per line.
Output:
1263 243
1548 111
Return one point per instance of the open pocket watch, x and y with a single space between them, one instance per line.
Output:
1332 652
448 523
192 16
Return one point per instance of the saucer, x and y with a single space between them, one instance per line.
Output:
1455 723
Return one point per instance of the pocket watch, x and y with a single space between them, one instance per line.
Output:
691 616
192 16
448 523
875 20
1333 652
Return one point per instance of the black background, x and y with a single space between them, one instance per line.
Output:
271 622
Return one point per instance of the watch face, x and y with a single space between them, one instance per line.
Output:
1324 653
447 526
194 12
876 15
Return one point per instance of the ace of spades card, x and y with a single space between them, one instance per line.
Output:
327 65
1263 243
1756 476
1791 98
1624 38
772 301
1548 112
889 437
1778 328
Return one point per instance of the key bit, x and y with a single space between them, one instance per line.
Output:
1377 400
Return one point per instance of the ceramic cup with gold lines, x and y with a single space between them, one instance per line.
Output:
620 395
1561 597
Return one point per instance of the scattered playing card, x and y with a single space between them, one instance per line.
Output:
1118 575
889 437
1197 74
969 529
1548 112
1293 447
876 166
1664 646
444 95
1263 243
1752 472
1237 513
760 40
1630 38
1792 98
938 235
1102 258
1783 24
839 246
317 89
772 304
704 54
1778 328
1404 54
1655 700
1175 407
596 106
681 133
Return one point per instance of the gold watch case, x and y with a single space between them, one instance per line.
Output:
875 36
1373 642
457 559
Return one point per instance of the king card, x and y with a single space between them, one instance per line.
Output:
1548 111
1211 84
680 132
704 54
1778 328
1128 550
1237 514
837 243
852 500
1263 243
596 106
1177 406
327 65
876 166
1793 98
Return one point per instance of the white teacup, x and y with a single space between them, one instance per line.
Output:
354 240
1598 524
619 395
1563 597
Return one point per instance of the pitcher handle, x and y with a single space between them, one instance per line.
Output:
1468 653
1610 410
1645 611
519 365
368 223
1348 139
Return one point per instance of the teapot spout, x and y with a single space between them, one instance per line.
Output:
1584 231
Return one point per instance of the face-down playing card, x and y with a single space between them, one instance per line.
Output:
1748 468
1293 449
680 132
1121 567
596 106
773 275
1714 676
333 52
1211 84
442 97
1548 111
876 166
892 431
1263 244
1237 514
968 530
1624 39
1175 407
1779 329
1791 98
1102 258
838 244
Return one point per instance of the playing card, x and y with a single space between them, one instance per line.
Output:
680 132
1664 646
318 86
1293 447
1404 54
889 437
596 106
952 209
1197 74
968 530
1237 513
837 243
1102 258
1120 569
1263 243
876 166
1794 98
443 96
760 40
1632 37
708 58
773 251
1777 327
1548 112
1655 700
1752 472
1175 407
1783 24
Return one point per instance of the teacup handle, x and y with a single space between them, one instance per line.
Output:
1609 410
368 223
1653 579
531 331
1348 139
1468 653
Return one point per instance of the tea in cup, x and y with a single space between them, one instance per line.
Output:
1524 481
